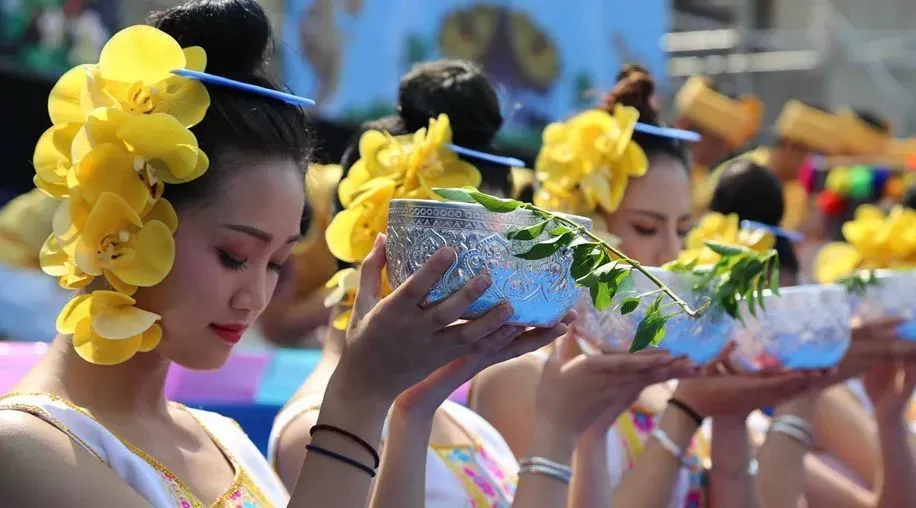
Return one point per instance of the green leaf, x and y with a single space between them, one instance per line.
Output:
726 250
651 329
495 204
462 195
628 305
546 248
602 295
774 276
559 230
529 233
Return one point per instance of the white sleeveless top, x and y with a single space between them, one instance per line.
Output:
255 485
482 475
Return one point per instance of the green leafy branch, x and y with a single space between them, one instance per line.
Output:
859 282
606 271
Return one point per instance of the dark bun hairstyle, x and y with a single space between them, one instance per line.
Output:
754 193
461 90
238 39
635 87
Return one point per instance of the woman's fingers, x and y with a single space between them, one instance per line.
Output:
469 333
410 295
447 311
369 291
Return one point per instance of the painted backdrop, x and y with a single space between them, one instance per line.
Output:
547 56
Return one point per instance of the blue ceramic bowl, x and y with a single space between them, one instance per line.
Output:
895 295
541 291
700 339
807 327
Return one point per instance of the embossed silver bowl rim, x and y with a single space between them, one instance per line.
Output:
402 207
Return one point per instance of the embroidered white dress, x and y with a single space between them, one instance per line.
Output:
255 485
478 476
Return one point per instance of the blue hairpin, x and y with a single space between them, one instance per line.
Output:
792 236
497 159
288 98
667 132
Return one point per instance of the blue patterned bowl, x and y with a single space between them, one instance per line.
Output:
895 295
541 291
807 327
700 339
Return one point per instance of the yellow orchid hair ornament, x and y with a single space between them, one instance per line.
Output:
120 133
874 240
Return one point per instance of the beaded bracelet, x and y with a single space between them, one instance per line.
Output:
545 467
353 437
671 447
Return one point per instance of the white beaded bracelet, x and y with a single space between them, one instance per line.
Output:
545 467
669 445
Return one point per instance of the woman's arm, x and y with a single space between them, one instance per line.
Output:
650 484
781 477
511 416
895 484
731 479
591 482
845 430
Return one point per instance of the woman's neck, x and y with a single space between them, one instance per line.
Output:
136 386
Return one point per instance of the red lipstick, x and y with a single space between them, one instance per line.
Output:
231 333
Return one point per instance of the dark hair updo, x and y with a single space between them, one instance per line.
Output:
461 90
636 88
754 193
237 37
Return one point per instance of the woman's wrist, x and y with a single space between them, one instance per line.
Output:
552 441
346 399
678 426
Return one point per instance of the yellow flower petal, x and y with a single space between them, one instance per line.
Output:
64 102
600 189
151 339
195 58
349 187
98 350
869 212
122 322
162 137
109 168
342 275
456 174
633 161
340 233
164 212
76 310
342 322
119 285
52 158
52 258
154 248
140 53
110 215
835 261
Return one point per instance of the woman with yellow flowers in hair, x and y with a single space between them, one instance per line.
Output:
179 202
642 452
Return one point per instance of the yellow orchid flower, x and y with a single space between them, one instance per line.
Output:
134 74
719 228
116 243
344 284
352 232
589 159
162 149
52 159
56 262
107 328
873 240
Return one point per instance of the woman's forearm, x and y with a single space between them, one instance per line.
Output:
895 485
402 478
731 480
325 482
538 490
591 483
781 475
845 430
650 484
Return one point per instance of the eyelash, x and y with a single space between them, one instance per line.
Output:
234 264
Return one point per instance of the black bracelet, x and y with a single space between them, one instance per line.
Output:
689 411
342 458
360 441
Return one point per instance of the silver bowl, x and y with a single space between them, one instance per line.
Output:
540 291
894 295
700 339
806 327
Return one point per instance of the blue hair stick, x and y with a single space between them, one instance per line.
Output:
497 159
204 77
792 236
667 132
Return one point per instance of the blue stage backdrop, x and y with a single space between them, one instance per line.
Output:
549 58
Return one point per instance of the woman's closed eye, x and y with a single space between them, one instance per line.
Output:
233 263
645 230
